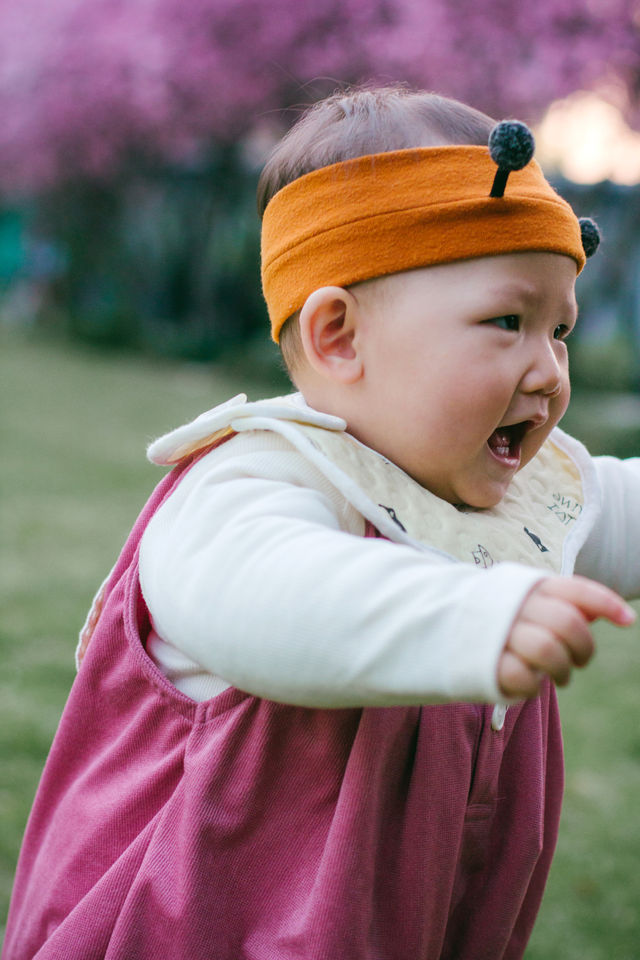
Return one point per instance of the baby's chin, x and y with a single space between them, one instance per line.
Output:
478 502
480 497
486 495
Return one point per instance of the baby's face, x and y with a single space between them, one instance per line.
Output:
466 370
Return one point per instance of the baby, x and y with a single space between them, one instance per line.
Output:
315 713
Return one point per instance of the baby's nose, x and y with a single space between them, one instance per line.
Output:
546 373
554 391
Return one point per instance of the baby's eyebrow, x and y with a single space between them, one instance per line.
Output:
513 289
529 295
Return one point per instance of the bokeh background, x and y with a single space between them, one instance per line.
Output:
131 137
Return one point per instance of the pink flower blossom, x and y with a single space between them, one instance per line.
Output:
86 84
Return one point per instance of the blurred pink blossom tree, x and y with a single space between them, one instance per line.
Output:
131 129
85 85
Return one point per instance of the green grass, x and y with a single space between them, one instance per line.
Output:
73 477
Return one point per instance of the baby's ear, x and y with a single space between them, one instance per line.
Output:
328 329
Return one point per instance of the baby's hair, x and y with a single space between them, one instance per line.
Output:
355 123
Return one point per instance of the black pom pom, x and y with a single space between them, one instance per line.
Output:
590 234
511 145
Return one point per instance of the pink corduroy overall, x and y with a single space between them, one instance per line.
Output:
242 829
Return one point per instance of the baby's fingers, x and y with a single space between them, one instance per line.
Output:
542 651
516 678
551 634
593 599
560 634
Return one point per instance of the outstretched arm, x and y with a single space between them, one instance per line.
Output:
251 571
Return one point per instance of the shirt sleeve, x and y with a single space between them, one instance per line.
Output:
254 570
611 553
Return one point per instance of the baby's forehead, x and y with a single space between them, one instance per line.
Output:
516 269
523 274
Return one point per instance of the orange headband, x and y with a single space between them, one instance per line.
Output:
389 212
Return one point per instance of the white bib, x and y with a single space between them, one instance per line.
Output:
529 525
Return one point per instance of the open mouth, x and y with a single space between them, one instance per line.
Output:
505 443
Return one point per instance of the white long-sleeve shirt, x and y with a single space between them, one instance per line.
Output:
256 574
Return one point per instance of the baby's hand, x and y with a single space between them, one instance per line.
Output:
551 633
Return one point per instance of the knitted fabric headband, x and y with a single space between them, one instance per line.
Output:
389 212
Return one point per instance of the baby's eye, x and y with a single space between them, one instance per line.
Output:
561 332
508 322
